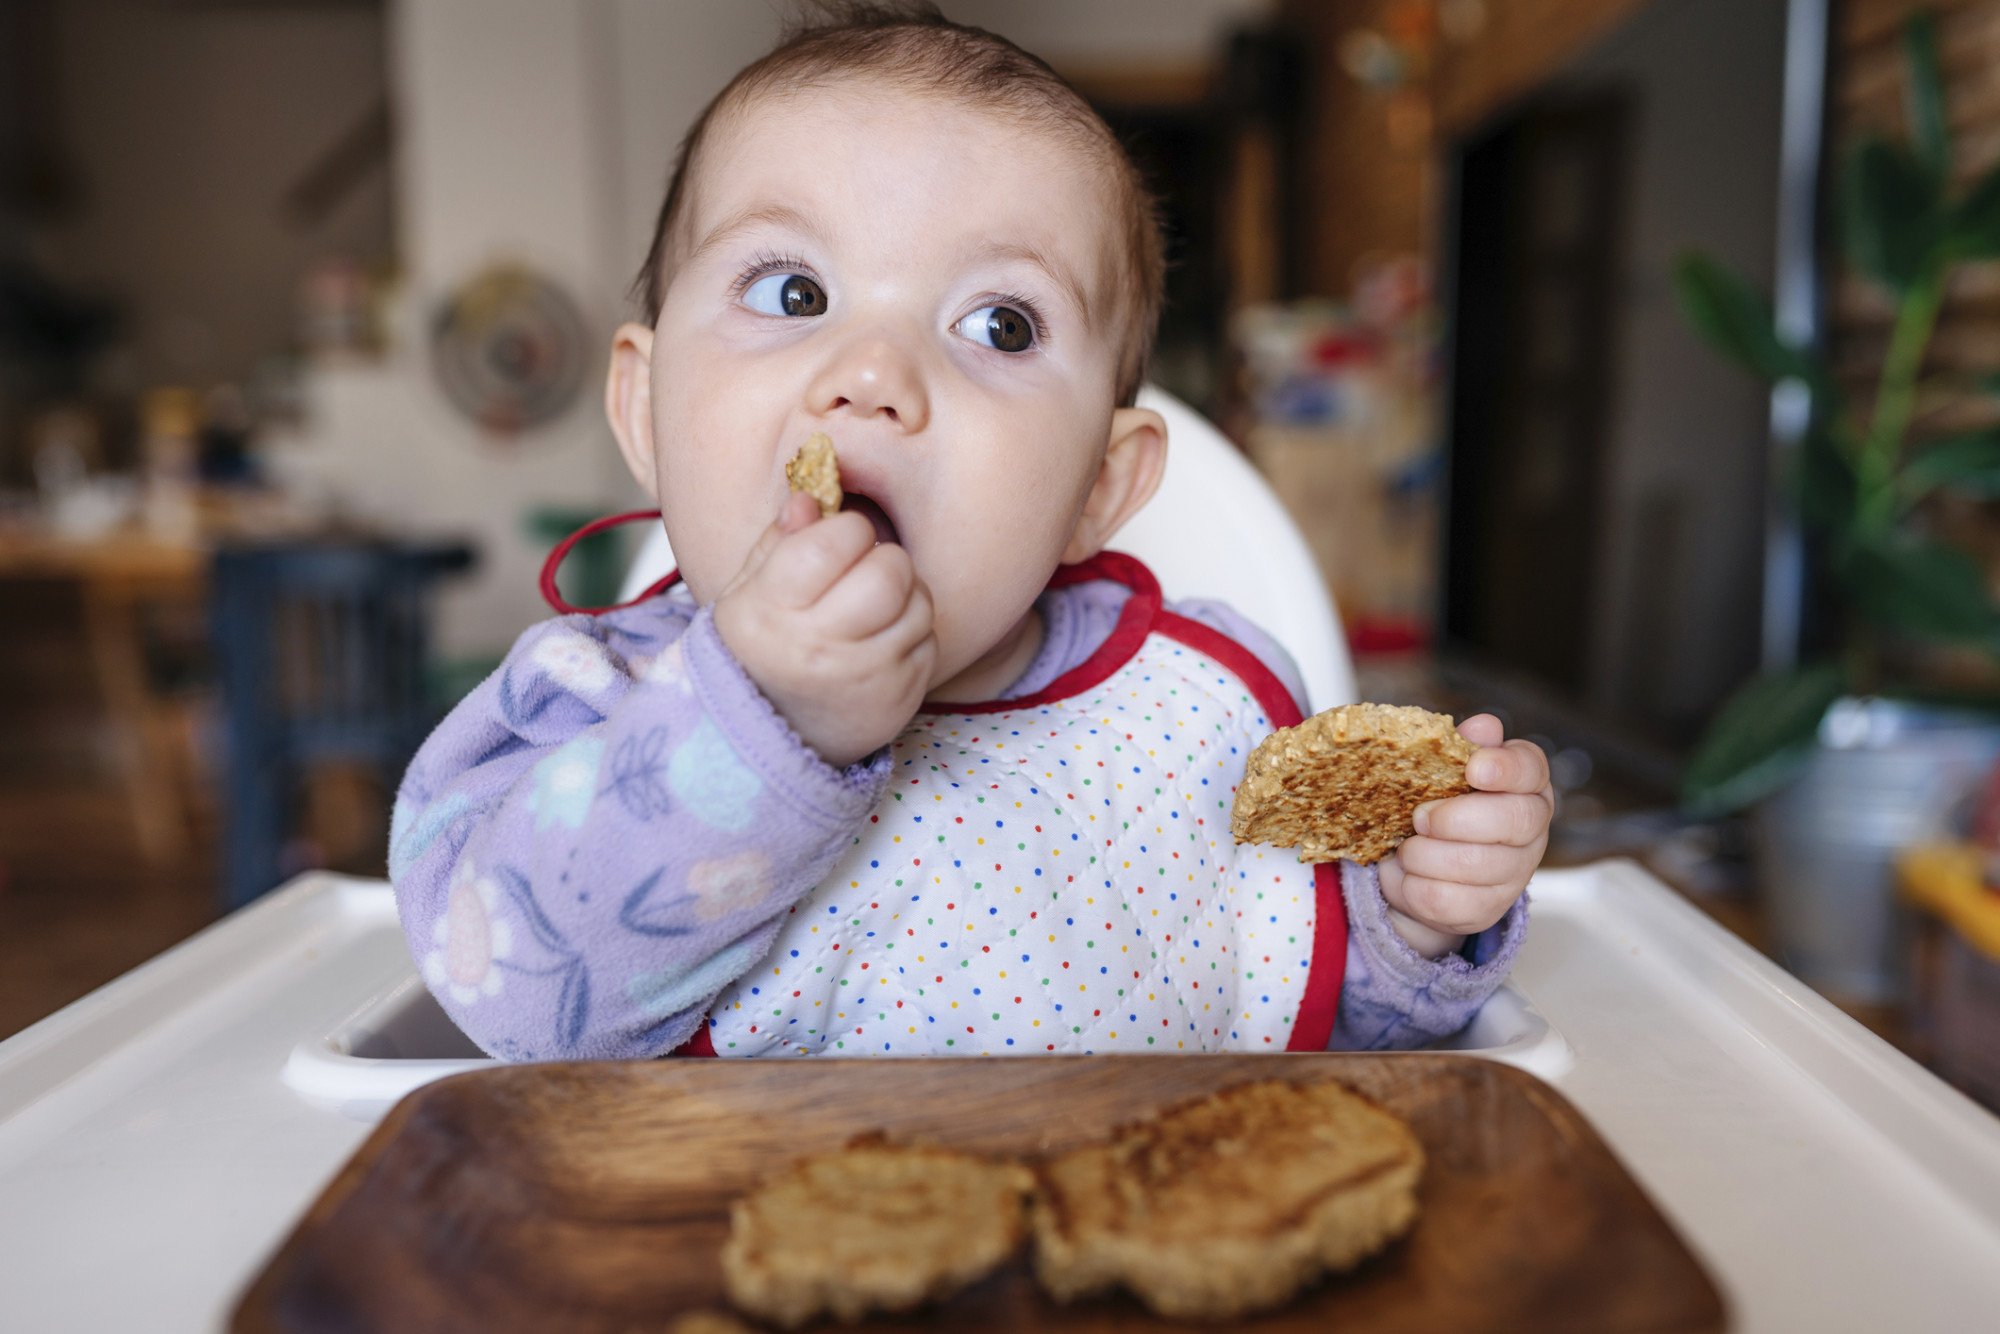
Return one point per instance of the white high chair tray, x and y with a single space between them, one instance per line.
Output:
159 1137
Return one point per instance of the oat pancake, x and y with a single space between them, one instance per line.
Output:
1343 784
1228 1203
872 1227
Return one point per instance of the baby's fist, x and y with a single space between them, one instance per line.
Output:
1472 854
835 629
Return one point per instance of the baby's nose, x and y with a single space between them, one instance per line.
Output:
872 375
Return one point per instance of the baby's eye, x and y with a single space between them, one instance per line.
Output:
785 294
1000 327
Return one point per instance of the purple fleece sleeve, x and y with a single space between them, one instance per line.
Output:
1391 996
607 832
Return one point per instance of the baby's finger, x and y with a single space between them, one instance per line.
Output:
800 510
790 519
805 564
1516 819
1442 905
1482 729
869 596
1476 865
1518 766
913 626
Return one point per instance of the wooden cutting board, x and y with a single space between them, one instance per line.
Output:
595 1196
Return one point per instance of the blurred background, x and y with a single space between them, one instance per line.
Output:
1619 359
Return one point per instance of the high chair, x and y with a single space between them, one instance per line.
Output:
1215 529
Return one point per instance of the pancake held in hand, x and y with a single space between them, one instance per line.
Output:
1230 1203
815 471
872 1227
1343 784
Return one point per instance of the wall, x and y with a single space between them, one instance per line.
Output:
1679 571
181 174
1099 33
1359 195
1363 196
1521 43
668 62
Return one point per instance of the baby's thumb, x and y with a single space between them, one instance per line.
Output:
797 512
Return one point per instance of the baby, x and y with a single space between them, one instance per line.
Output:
936 774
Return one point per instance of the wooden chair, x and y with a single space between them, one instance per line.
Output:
322 653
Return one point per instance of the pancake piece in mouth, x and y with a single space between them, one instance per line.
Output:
885 528
815 470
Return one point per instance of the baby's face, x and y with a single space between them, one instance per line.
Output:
926 283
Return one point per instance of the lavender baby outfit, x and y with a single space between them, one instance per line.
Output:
615 838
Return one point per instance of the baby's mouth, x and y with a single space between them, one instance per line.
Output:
885 528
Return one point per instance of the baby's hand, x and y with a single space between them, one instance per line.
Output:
833 628
1472 854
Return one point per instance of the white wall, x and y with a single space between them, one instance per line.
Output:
670 60
544 131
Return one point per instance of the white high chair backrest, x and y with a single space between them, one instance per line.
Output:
1215 529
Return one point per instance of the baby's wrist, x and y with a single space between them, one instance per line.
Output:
832 710
837 737
1427 941
816 729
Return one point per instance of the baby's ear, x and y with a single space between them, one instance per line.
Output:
628 402
1134 461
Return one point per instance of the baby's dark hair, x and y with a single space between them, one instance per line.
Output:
914 45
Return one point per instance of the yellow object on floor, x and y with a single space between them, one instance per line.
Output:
1948 881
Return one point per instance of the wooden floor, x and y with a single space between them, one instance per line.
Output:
78 905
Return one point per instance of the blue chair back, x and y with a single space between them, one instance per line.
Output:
322 653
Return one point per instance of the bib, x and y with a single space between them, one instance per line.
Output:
1056 874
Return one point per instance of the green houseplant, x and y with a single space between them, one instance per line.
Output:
1858 480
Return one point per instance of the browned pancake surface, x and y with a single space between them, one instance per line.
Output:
1230 1203
1343 784
872 1227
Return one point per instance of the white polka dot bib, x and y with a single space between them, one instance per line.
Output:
1056 874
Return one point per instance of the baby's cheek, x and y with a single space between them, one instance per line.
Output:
707 553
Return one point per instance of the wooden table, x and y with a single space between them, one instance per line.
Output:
118 576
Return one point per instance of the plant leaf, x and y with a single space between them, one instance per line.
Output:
1921 587
1823 483
1761 738
1930 130
1967 464
1736 320
1975 221
1890 213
